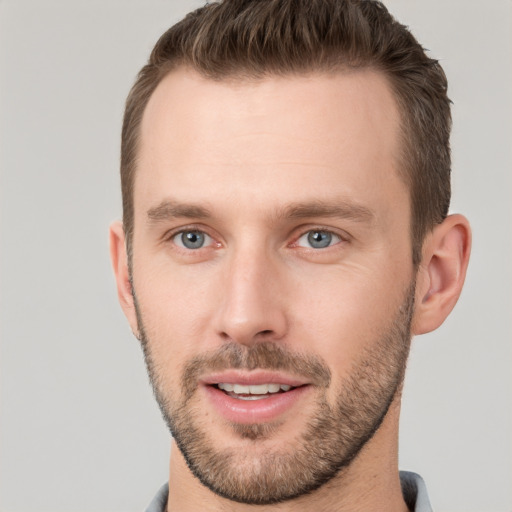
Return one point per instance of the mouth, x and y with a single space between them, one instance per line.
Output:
253 397
254 391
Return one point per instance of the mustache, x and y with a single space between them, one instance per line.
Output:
265 355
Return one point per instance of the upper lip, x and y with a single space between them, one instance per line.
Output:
253 378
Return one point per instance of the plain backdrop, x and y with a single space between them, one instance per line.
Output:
79 428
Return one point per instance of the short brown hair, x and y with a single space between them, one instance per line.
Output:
254 38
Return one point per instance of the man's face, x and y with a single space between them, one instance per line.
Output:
272 273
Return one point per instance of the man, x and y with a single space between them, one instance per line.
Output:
285 173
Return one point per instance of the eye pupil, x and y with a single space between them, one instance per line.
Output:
192 239
319 239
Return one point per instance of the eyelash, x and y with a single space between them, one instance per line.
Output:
332 235
170 236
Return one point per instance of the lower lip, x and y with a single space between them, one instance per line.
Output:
253 411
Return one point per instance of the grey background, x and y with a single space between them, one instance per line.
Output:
78 427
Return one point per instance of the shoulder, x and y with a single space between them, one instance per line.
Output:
415 492
159 502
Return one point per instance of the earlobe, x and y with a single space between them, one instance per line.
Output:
119 258
442 273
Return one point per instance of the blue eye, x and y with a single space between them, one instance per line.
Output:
318 239
192 239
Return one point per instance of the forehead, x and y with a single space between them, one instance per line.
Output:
298 135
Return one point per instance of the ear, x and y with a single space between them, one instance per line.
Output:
119 258
442 272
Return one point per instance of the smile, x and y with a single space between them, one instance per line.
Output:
253 392
253 397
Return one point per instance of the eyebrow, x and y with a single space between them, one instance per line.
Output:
342 209
169 209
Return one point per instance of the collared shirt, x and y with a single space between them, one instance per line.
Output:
413 489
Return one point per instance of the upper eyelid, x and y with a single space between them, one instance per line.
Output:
295 234
171 233
326 229
331 232
295 243
208 243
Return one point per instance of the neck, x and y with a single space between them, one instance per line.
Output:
370 483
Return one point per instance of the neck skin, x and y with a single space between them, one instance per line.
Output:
370 483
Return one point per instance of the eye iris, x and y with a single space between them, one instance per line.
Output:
192 239
319 239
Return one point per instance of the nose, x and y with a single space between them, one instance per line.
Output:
252 306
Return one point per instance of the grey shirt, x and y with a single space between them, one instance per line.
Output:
413 489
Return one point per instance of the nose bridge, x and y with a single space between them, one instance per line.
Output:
251 308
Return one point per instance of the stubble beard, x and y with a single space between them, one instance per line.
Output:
332 438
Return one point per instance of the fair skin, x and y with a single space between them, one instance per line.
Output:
269 162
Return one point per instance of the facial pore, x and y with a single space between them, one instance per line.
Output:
331 440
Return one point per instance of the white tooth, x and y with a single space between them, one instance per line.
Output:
239 389
252 397
259 389
256 389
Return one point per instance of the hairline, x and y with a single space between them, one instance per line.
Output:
241 76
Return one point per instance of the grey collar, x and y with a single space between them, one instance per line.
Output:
413 489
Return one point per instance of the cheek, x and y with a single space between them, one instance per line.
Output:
344 315
175 305
334 312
